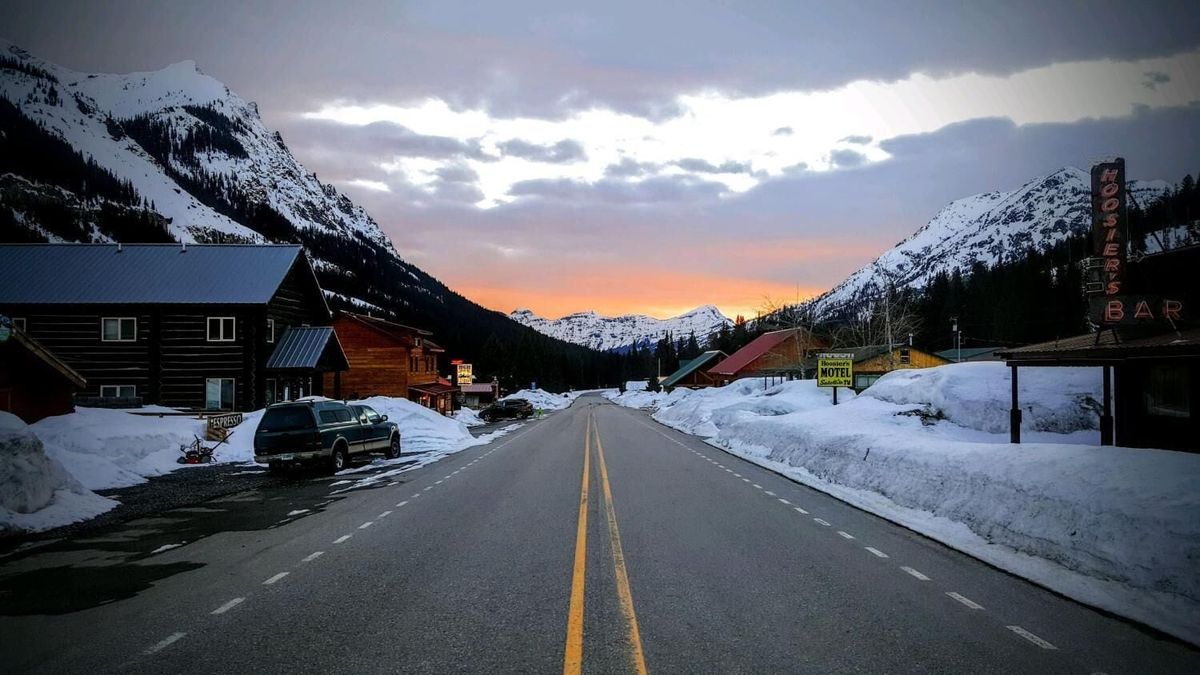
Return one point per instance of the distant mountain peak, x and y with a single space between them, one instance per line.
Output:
605 333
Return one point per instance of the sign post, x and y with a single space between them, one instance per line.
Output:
835 370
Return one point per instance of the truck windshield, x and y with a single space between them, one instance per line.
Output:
292 418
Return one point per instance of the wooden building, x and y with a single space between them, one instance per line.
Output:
778 354
479 394
186 326
1151 395
695 373
34 383
874 361
390 359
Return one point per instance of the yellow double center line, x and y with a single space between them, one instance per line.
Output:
573 659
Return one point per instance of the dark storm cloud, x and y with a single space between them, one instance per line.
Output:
703 166
856 140
536 58
381 139
1153 79
658 190
846 158
562 152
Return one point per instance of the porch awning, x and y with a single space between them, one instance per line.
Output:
433 388
308 348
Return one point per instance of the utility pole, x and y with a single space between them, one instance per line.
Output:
957 338
887 323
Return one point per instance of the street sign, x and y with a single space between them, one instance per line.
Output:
465 373
835 370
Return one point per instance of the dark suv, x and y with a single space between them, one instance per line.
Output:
512 408
327 432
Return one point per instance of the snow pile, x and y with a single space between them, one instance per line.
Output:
543 399
637 398
468 417
110 448
421 429
36 492
1117 528
636 385
979 395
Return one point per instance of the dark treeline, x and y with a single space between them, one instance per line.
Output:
96 197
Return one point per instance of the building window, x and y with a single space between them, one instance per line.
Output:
271 391
905 356
118 391
222 329
118 329
218 393
412 364
19 323
271 331
416 342
864 381
1167 391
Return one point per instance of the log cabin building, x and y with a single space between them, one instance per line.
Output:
197 327
695 373
778 354
391 359
874 361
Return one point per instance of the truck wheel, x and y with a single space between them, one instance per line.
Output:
393 449
340 459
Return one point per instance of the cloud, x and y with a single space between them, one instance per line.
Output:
846 158
562 152
783 131
1153 79
376 185
649 191
731 139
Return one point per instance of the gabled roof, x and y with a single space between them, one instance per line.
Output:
396 331
692 366
143 273
308 348
38 351
758 346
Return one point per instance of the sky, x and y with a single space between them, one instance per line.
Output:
650 156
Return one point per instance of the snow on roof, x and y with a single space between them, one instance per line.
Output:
143 273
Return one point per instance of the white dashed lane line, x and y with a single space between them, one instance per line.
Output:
965 600
757 486
876 552
366 525
783 501
399 504
845 535
275 578
164 643
915 573
228 606
312 556
769 493
800 510
385 514
821 521
342 538
1031 637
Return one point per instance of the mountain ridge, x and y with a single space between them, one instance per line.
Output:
618 333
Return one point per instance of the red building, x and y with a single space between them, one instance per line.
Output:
34 383
778 354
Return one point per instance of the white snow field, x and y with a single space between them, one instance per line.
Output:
36 492
1117 528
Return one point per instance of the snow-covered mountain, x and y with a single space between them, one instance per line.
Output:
986 228
174 155
620 332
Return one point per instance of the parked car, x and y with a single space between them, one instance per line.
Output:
508 409
322 432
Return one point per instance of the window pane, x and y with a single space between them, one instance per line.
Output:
212 394
127 391
111 329
227 329
226 394
128 329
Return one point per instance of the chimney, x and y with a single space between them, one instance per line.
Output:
119 247
184 249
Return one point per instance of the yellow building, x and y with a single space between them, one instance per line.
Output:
871 362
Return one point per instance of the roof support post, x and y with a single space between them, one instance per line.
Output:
1106 417
1014 414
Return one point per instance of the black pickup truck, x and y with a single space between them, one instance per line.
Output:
507 409
325 432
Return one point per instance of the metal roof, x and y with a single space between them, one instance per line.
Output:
967 352
143 273
1108 346
308 348
691 367
757 347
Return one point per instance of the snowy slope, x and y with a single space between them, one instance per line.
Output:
618 332
987 228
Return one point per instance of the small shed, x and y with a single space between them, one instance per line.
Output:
34 383
1151 384
695 373
479 394
302 357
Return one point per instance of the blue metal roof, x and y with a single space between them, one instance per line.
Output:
142 273
308 348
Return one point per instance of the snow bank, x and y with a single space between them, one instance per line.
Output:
1117 528
979 395
468 417
543 399
111 448
637 398
636 385
36 492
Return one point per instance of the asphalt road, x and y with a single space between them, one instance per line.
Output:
665 555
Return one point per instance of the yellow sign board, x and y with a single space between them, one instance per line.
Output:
466 374
835 370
